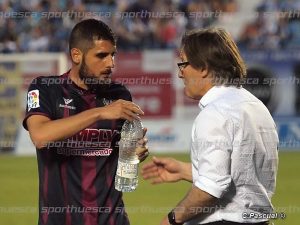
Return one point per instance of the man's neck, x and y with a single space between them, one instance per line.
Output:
74 76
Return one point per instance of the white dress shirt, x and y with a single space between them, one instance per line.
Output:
234 155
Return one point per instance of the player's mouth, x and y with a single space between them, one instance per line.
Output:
106 74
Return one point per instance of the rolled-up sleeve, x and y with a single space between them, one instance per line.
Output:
211 152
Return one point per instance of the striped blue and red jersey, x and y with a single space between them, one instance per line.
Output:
76 175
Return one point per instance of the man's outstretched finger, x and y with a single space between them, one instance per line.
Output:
148 165
151 175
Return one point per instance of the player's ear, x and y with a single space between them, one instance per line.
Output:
76 55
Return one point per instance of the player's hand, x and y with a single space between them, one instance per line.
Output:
120 109
162 170
142 149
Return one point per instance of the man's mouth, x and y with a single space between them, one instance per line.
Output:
106 74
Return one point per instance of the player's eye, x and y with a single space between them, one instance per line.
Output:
102 55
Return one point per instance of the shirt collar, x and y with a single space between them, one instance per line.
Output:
214 93
73 85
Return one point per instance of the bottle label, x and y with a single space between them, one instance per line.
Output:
127 170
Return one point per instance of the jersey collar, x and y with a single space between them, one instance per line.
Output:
74 86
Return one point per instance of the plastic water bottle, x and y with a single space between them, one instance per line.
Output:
127 172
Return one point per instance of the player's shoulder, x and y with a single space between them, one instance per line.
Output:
119 91
40 80
46 82
115 86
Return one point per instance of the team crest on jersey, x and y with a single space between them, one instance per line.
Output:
33 99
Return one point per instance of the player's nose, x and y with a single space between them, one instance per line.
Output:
111 62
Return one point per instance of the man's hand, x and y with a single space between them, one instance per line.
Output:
142 149
162 170
120 109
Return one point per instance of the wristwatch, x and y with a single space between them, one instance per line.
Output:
172 220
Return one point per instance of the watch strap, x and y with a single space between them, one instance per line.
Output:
172 219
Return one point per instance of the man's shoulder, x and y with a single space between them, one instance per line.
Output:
119 91
48 80
46 85
118 87
233 98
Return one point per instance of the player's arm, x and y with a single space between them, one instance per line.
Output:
44 130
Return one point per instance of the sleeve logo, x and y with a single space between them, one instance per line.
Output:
33 99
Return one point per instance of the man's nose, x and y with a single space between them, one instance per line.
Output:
111 62
180 75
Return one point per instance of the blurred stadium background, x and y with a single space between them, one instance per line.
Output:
33 42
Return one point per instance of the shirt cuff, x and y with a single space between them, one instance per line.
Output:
210 186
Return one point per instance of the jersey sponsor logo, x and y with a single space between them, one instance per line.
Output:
33 99
95 135
107 101
83 152
67 101
88 142
66 105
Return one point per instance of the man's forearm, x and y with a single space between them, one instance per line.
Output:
60 129
192 204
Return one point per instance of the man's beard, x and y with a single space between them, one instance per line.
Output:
93 83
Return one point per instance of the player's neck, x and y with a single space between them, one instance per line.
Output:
74 76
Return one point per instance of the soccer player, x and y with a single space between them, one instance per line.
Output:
74 120
233 140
